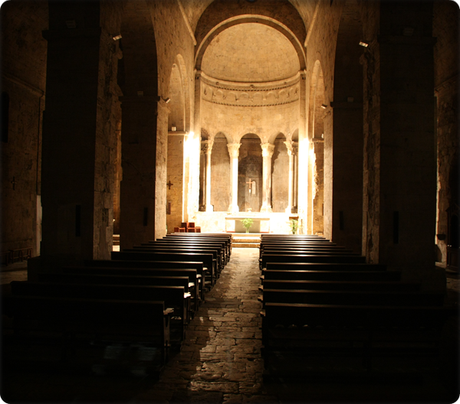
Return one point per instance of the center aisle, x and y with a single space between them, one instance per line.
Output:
220 360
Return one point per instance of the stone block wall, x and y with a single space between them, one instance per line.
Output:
445 30
24 53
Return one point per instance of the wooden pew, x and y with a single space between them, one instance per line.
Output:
218 246
325 266
353 335
141 268
119 279
62 331
217 256
224 243
226 239
173 297
310 258
370 286
205 258
374 276
353 297
145 269
82 276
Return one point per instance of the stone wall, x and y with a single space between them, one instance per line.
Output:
220 175
445 30
23 99
175 180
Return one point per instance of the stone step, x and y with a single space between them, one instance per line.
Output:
245 240
245 245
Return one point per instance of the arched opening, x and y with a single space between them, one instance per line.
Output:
247 88
318 112
250 174
280 175
177 123
220 163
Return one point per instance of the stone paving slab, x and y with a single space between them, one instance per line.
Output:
225 338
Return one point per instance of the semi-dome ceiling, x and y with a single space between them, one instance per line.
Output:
250 53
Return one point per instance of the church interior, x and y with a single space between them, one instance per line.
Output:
125 120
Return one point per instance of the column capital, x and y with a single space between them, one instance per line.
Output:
234 149
289 146
295 148
267 149
206 146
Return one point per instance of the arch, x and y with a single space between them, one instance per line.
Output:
317 105
220 173
241 19
316 170
179 94
280 174
250 173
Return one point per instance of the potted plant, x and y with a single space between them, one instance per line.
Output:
294 225
247 223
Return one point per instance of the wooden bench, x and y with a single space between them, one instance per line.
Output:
225 241
173 297
325 266
206 259
62 331
119 279
142 268
217 256
349 336
353 297
378 286
374 276
219 246
187 278
339 258
226 238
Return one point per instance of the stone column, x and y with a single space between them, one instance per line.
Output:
291 175
209 144
267 153
202 202
233 150
78 140
399 143
295 164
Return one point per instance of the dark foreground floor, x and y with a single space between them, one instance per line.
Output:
220 362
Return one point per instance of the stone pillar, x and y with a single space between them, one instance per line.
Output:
267 153
209 207
289 147
79 143
399 142
303 156
202 198
295 158
137 189
233 149
161 153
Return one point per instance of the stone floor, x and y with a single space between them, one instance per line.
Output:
219 362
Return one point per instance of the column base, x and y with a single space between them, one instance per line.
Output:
266 209
233 209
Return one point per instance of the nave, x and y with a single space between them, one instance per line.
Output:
219 362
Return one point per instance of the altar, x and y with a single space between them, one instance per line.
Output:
234 224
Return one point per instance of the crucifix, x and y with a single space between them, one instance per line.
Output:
251 186
169 184
13 182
